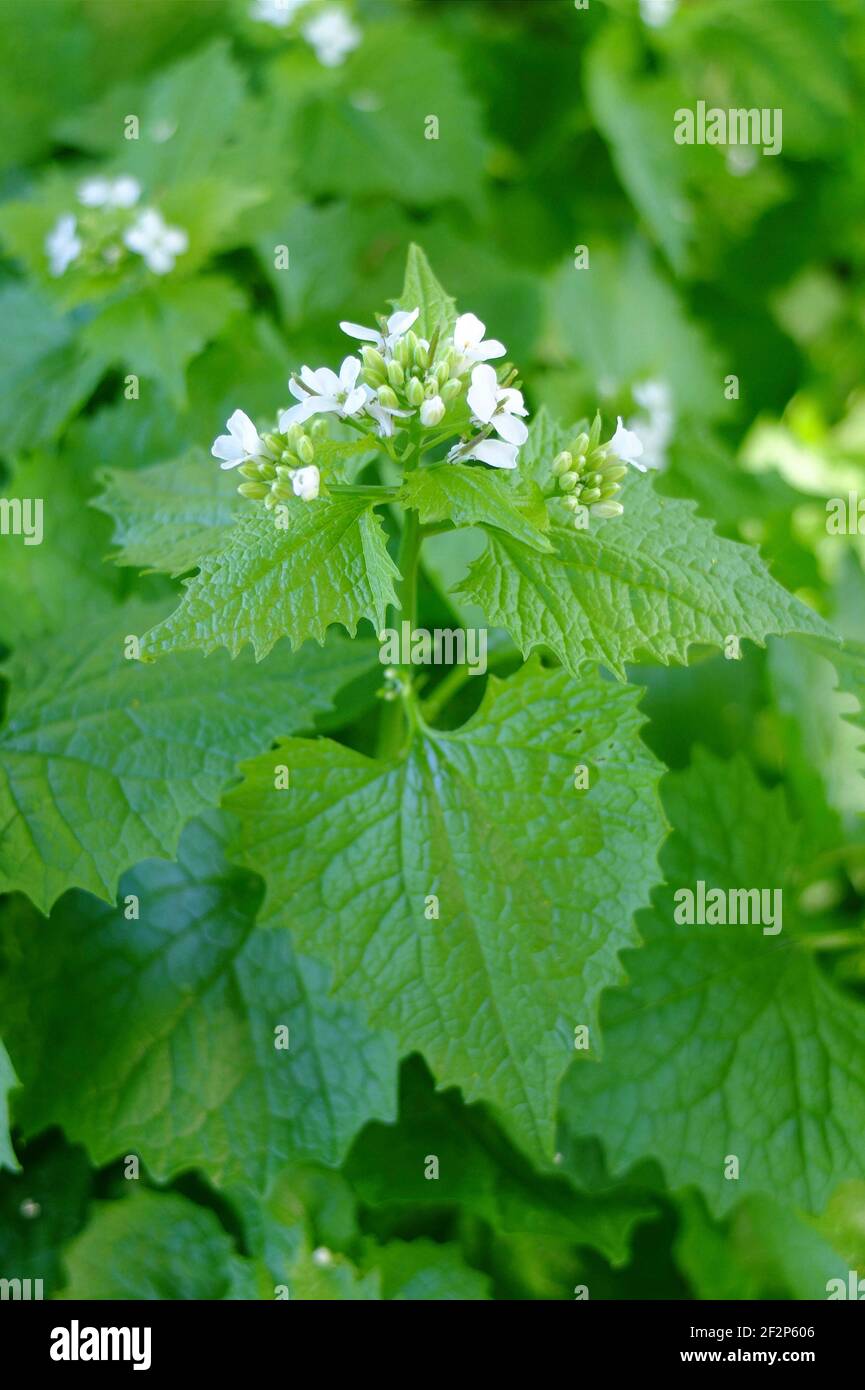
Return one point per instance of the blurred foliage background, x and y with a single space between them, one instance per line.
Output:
555 132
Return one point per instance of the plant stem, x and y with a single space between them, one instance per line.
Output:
393 715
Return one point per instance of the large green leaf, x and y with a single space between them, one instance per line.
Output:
529 926
728 1042
169 515
103 760
173 1015
329 565
649 583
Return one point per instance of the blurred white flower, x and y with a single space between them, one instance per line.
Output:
306 483
62 244
626 446
496 405
326 393
470 344
242 443
655 428
158 244
122 192
276 12
398 324
331 35
657 13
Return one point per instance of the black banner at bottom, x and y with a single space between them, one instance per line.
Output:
158 1339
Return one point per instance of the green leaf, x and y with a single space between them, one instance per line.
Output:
421 290
173 1014
103 760
155 1246
169 515
468 496
371 137
329 565
45 587
650 583
8 1082
425 1271
155 333
728 1041
530 927
481 1172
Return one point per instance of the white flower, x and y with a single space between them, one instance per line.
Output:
656 13
627 446
495 452
326 393
122 192
277 12
469 342
152 238
62 244
496 405
398 324
242 443
332 35
432 411
306 483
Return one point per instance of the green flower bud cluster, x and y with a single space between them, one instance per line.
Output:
589 475
269 479
416 375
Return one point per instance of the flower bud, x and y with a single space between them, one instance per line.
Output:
388 398
282 490
562 463
402 352
607 509
283 470
294 435
595 431
421 356
318 428
375 365
257 491
305 450
451 390
568 481
248 470
590 495
432 412
580 444
572 503
274 443
414 392
395 374
614 472
266 470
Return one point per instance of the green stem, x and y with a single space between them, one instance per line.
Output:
395 719
453 682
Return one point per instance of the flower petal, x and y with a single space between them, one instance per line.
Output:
495 452
511 428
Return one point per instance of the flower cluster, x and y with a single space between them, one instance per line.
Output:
109 227
589 473
433 390
275 466
327 29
